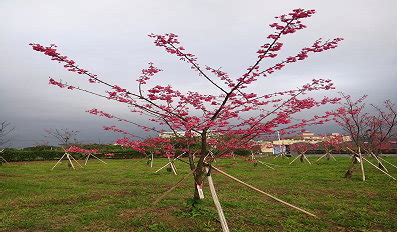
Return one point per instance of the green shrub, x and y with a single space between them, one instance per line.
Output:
45 153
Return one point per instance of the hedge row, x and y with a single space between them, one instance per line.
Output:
29 155
14 155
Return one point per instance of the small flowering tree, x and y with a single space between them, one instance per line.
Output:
301 149
368 131
86 152
329 144
232 109
381 128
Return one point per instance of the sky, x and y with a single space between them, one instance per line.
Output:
109 38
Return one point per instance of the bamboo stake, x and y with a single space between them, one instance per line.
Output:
1 157
380 169
353 152
306 159
252 156
271 164
98 159
58 161
219 209
72 165
280 155
380 163
75 160
388 162
212 156
331 155
173 168
266 164
169 163
151 159
162 167
172 188
86 160
362 169
264 193
321 157
295 159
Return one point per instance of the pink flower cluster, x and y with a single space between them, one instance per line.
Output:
69 64
76 149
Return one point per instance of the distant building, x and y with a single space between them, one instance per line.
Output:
171 134
307 135
283 145
266 146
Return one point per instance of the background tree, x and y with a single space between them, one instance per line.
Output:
368 131
301 149
382 127
5 130
64 136
329 144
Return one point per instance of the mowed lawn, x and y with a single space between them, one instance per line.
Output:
118 197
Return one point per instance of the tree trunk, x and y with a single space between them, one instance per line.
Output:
349 172
199 169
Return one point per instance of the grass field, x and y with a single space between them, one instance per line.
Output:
118 197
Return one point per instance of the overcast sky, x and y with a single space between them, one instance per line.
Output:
109 38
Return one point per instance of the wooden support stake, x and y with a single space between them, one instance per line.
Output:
252 156
271 164
162 167
169 162
306 159
212 156
72 165
321 157
380 169
295 159
1 157
86 160
219 209
172 188
151 159
361 161
265 164
353 152
388 162
264 193
173 168
380 163
58 161
75 160
98 159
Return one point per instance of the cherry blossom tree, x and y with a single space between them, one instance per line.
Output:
85 152
232 110
329 144
368 131
301 149
382 127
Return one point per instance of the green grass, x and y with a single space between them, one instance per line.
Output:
118 197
